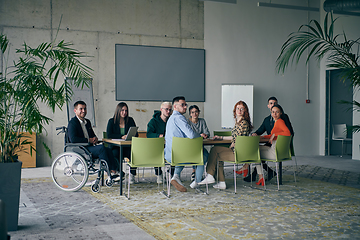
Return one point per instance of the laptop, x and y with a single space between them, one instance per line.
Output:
131 133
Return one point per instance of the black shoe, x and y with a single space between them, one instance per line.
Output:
251 177
271 174
116 178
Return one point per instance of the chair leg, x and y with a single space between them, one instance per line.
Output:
168 182
207 186
261 165
277 175
295 169
128 186
235 177
217 172
250 174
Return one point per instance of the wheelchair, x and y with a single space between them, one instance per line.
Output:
70 170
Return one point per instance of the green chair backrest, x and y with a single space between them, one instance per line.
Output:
105 136
187 151
282 148
222 133
247 149
292 146
147 152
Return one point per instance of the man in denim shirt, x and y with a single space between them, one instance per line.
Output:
177 126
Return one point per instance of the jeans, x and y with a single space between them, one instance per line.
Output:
199 168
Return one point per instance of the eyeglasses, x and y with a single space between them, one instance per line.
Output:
183 104
167 109
194 112
241 109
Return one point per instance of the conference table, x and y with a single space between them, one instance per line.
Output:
122 144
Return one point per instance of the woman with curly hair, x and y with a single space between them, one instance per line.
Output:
219 154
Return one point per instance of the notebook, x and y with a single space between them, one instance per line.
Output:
131 133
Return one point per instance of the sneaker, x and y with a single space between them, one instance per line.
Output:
176 182
194 184
209 179
159 179
132 179
220 185
192 176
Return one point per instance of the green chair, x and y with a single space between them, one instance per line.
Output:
146 152
246 151
105 136
222 133
283 153
186 152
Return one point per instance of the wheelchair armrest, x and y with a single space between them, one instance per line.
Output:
77 144
81 146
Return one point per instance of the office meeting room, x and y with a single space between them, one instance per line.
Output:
179 119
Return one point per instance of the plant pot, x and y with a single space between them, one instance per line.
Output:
10 179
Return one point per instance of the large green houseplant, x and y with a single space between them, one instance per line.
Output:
339 51
27 83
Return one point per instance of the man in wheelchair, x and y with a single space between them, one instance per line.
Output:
80 131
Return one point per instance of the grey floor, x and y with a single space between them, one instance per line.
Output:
48 213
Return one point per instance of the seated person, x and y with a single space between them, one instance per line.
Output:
268 151
178 126
117 128
199 126
266 126
156 128
280 128
219 153
80 131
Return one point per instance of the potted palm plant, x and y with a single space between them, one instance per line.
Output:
31 80
339 51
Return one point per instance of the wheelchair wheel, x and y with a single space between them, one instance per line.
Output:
109 182
95 188
69 171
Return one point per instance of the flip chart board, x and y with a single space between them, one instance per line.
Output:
230 95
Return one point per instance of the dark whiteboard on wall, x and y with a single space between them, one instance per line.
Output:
149 73
230 95
84 94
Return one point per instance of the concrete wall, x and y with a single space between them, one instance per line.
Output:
95 27
242 43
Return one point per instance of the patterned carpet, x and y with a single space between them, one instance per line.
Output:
344 178
321 205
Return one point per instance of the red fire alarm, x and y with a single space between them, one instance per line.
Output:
307 100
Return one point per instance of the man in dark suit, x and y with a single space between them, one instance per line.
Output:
80 131
266 126
268 122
